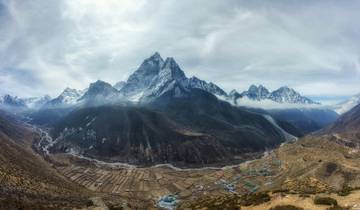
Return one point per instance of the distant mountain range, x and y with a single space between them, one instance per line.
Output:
159 115
8 101
154 77
283 95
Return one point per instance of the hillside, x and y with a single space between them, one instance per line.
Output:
197 129
27 181
324 165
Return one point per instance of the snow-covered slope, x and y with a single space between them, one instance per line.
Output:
345 106
195 82
169 76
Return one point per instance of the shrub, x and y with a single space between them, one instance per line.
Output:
325 201
345 191
286 207
336 208
89 203
255 199
116 208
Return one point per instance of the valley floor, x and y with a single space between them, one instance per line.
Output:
292 174
292 168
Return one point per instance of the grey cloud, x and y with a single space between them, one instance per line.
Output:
304 44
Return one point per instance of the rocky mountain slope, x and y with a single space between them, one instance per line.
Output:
203 112
181 126
141 137
348 121
305 120
346 129
182 131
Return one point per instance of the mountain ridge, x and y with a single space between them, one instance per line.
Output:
154 77
282 95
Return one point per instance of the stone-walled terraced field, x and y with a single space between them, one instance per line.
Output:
149 184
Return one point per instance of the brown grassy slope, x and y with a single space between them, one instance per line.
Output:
26 179
346 129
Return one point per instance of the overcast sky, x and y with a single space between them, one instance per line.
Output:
312 46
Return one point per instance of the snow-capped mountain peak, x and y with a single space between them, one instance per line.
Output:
169 76
259 94
256 93
288 95
143 76
156 76
68 97
156 57
99 89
